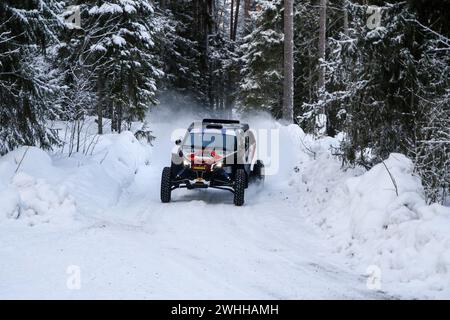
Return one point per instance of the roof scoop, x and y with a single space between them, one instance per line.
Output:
219 121
214 126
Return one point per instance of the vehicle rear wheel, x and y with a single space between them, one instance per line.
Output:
258 171
166 185
239 187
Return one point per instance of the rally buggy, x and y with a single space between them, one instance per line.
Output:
214 154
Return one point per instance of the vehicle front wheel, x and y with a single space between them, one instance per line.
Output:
166 185
239 187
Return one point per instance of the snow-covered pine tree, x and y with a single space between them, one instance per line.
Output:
180 53
126 52
431 149
374 93
223 56
399 104
261 85
194 52
311 74
78 99
115 50
27 29
288 67
306 63
223 63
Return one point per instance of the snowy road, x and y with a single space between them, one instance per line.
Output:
198 246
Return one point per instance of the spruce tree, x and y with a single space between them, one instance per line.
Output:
261 85
115 51
27 85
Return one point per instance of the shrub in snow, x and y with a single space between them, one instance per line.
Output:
145 134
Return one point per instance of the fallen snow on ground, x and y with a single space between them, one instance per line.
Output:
312 231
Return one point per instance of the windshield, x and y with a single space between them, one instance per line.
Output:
208 140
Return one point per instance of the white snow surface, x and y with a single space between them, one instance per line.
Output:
313 230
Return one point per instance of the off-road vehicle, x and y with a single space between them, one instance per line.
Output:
216 154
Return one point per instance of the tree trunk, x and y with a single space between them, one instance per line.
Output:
345 18
236 19
196 17
330 115
221 92
231 19
247 9
113 125
322 42
78 134
221 20
310 77
288 87
100 101
119 118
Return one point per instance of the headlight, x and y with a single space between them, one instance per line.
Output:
186 163
218 164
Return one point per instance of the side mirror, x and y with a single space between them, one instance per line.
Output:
178 142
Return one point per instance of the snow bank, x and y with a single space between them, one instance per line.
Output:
97 182
26 195
408 240
54 188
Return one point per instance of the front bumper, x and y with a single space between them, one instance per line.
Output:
191 178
